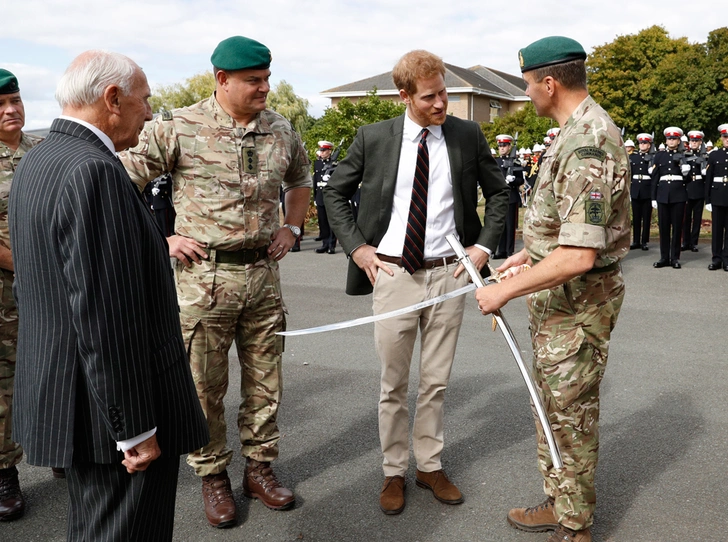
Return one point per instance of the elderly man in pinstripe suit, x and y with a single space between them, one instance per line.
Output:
102 387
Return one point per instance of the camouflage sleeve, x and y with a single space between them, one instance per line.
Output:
298 174
155 154
584 194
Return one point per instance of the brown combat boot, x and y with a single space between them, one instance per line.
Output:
391 498
219 500
535 519
442 488
564 534
260 482
12 502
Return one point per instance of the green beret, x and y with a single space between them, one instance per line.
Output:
239 53
8 82
550 51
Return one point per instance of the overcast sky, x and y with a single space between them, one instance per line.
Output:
315 45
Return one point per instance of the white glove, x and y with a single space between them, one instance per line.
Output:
704 172
510 179
654 204
709 207
685 168
649 169
325 178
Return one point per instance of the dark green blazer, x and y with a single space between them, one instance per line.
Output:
373 160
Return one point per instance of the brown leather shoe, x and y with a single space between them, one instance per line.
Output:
391 499
535 519
260 482
219 500
442 488
564 534
58 472
12 503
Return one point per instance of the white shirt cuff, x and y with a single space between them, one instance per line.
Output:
484 249
124 445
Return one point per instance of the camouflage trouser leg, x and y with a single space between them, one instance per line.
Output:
10 452
219 303
571 327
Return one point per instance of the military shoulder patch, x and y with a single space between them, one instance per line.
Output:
166 115
590 152
596 209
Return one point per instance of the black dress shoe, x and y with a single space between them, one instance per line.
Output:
319 239
634 246
645 247
12 502
296 248
676 264
694 249
685 248
321 250
661 263
714 266
332 250
725 268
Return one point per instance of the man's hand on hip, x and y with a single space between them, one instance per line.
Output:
281 243
477 256
186 249
365 257
139 457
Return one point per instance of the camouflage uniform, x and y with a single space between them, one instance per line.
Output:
10 452
226 183
581 200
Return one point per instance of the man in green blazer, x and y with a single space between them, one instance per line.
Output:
419 176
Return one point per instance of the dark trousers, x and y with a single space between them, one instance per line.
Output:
107 504
719 240
325 232
692 221
507 244
641 221
669 220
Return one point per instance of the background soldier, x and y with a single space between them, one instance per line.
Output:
629 145
669 175
513 174
228 234
322 169
13 145
696 191
716 200
641 192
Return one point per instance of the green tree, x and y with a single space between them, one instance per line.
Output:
530 127
196 88
284 101
341 122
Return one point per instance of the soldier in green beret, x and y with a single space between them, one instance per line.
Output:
228 157
575 232
13 145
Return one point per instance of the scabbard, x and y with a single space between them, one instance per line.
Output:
515 350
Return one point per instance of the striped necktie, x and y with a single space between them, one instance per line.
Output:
413 253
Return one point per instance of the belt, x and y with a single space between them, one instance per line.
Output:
641 177
606 269
428 264
240 257
672 178
721 180
698 178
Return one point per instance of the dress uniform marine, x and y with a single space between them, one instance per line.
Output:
322 169
514 175
641 192
228 156
13 145
716 200
696 191
670 174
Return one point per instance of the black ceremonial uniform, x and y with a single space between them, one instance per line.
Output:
507 244
716 193
641 194
322 169
668 188
695 203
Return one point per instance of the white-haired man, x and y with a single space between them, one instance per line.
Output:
99 336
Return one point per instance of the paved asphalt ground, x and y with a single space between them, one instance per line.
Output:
662 473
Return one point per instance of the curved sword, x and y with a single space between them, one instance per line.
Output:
515 350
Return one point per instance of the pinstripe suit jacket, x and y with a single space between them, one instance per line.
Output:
100 354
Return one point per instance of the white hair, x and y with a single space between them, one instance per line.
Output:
85 80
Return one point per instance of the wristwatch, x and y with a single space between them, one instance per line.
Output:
295 230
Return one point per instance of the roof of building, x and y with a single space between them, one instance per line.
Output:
478 80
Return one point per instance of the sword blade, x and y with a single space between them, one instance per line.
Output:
377 317
516 351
